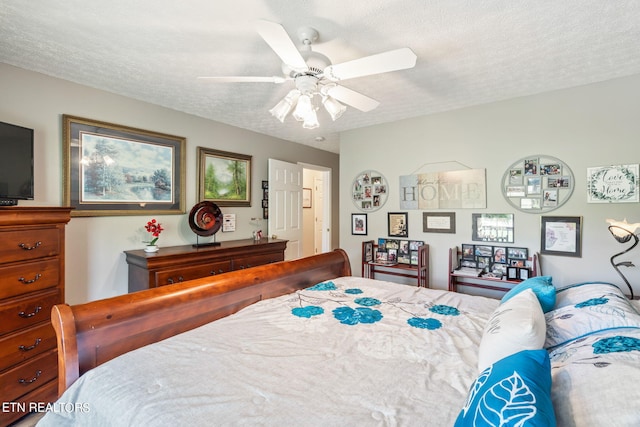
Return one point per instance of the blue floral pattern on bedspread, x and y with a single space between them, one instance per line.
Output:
616 344
308 311
347 314
351 316
323 286
592 302
422 323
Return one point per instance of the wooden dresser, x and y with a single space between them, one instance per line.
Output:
31 282
175 264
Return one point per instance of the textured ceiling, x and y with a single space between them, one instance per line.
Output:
469 52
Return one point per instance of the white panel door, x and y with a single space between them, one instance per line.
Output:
318 211
285 205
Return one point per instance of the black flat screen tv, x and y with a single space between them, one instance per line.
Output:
16 164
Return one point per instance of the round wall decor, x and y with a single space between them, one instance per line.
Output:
537 184
369 191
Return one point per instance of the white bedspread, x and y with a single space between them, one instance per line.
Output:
270 365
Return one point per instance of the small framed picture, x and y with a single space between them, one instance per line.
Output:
561 235
398 224
517 253
523 273
367 251
512 273
306 197
468 252
359 224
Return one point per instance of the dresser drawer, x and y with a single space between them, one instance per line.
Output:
256 260
20 313
27 376
18 347
176 275
29 244
46 394
29 277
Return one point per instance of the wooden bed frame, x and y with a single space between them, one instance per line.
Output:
93 333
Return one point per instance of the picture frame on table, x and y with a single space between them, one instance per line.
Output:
561 235
359 224
111 169
224 177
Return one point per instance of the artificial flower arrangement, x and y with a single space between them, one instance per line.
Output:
155 228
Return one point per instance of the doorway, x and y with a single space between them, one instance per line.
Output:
300 207
317 217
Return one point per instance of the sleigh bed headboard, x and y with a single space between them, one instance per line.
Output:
92 333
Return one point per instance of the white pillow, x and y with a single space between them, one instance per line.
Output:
517 324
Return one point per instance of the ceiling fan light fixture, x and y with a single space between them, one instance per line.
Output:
311 120
303 108
284 107
333 107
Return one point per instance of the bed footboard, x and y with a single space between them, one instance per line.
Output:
92 333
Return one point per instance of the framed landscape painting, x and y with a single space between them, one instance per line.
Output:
111 169
224 178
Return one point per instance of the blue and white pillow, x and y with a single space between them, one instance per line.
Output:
515 325
542 286
587 308
515 391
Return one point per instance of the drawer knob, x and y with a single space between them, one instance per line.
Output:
28 247
28 315
32 380
31 347
28 282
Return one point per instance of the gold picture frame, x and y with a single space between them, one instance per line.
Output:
224 177
112 169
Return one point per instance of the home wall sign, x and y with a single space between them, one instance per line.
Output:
369 190
612 184
537 184
460 189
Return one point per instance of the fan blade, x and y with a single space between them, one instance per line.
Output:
278 39
352 98
246 79
393 60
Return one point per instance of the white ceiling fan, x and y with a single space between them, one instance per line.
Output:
315 75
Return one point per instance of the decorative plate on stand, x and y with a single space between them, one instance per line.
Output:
205 219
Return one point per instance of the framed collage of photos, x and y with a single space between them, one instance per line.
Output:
537 184
369 191
496 261
397 251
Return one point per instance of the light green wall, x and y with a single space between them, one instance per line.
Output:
96 266
587 126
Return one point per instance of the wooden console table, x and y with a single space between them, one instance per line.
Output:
420 272
180 263
460 278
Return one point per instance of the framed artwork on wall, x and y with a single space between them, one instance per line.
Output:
613 184
561 235
111 169
359 224
369 191
439 222
224 178
398 224
537 184
492 228
306 198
